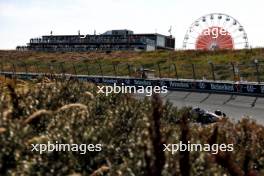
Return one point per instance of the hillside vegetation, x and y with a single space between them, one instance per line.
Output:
116 63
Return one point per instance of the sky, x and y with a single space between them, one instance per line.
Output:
21 20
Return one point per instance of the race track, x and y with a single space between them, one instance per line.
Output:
234 106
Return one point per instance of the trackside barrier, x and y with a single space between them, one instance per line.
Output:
208 86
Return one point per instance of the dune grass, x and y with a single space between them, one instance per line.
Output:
94 62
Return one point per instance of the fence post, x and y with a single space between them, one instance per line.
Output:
51 71
26 67
143 74
212 70
62 69
129 69
176 71
50 68
114 67
159 70
193 71
2 67
87 69
74 69
14 72
14 69
169 71
75 72
37 68
100 67
2 70
257 69
234 71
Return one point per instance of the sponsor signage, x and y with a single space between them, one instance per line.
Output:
187 85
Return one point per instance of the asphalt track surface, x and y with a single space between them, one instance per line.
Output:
235 106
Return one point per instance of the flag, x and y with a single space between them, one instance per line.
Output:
170 29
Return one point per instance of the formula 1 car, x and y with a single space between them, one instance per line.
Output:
205 117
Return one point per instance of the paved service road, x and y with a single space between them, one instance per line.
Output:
234 106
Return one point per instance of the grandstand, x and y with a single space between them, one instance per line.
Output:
113 40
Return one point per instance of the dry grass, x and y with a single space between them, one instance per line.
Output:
88 62
132 133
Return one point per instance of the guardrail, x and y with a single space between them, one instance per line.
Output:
224 87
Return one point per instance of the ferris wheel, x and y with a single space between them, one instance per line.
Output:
215 31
